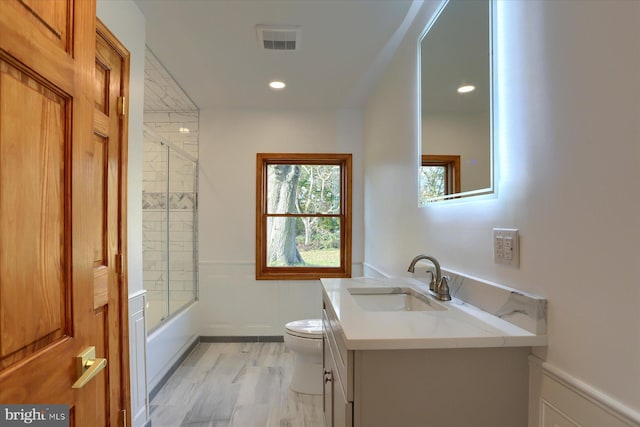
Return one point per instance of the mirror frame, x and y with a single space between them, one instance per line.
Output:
492 78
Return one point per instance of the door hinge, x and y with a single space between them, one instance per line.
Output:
118 263
122 105
124 417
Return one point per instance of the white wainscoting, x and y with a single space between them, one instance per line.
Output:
138 359
234 303
556 399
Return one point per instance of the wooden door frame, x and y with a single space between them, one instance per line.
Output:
123 286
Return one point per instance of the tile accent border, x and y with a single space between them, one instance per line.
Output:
177 200
154 200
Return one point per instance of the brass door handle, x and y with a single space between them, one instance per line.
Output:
88 367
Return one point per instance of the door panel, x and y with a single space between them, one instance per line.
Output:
50 19
33 228
49 36
47 56
101 86
100 187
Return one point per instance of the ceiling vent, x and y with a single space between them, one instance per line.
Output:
282 38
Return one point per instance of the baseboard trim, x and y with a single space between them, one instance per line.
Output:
243 338
172 369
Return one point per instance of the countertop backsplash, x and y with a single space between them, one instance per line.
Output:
520 308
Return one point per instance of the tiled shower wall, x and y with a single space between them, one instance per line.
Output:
167 124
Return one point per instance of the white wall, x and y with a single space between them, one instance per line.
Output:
232 302
568 132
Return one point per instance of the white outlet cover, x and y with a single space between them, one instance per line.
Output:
506 246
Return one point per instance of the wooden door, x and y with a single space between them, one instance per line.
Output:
109 212
47 62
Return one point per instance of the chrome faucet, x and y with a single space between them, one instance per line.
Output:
435 281
438 284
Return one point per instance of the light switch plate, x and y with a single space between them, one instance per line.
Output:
506 246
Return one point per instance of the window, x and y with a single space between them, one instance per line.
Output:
439 176
303 216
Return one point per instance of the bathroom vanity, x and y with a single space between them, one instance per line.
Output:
394 360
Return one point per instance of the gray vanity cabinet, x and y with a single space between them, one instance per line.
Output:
434 387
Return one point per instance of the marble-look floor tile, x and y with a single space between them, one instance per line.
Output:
167 415
253 415
235 385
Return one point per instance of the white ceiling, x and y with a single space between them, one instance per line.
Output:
211 49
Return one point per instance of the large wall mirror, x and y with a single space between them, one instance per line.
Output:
455 102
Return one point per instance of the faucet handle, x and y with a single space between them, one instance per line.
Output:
443 289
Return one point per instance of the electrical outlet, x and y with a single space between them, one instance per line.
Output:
506 246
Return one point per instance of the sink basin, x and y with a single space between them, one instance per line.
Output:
394 299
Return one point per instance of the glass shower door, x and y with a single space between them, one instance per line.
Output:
154 224
182 217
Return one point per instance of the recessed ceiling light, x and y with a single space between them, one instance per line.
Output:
466 88
277 85
183 130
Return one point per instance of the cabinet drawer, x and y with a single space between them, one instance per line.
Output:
338 411
338 349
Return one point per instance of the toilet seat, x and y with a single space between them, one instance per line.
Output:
306 328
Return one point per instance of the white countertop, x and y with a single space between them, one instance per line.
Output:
460 326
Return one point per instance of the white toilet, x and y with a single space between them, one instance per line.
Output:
304 338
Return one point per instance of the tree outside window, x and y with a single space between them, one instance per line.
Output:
439 177
303 218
